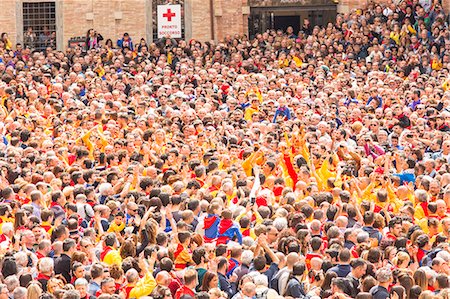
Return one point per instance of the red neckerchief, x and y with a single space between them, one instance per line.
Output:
105 251
42 276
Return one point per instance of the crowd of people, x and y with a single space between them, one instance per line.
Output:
311 164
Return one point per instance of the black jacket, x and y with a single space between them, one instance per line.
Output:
294 289
62 266
226 286
379 292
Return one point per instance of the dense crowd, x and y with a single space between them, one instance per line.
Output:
311 164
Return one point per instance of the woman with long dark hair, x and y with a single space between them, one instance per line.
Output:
210 281
93 39
20 220
7 42
398 292
326 284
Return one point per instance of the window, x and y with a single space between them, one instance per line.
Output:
155 4
39 25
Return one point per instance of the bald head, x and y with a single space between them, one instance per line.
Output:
342 222
163 278
291 259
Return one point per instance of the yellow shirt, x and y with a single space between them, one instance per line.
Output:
144 286
113 257
249 112
370 193
116 228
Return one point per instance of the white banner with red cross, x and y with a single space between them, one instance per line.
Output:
169 21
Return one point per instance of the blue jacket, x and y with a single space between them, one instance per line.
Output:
227 231
380 101
373 233
211 226
283 111
121 43
341 270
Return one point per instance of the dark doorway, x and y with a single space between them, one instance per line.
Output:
283 22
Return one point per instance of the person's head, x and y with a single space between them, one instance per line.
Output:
368 283
190 278
184 237
248 290
364 295
69 246
108 286
384 275
96 271
20 293
9 266
71 294
81 285
369 218
3 291
161 292
420 278
427 294
344 256
34 290
78 270
163 278
339 285
442 282
210 281
299 269
45 266
132 276
359 267
395 227
399 291
222 265
111 240
12 282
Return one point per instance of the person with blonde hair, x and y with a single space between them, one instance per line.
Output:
401 260
34 290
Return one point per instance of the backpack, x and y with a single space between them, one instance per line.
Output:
428 259
88 218
289 286
274 282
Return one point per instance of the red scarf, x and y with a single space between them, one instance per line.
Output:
42 277
105 252
424 206
127 290
177 252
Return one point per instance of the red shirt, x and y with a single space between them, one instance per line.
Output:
174 285
184 290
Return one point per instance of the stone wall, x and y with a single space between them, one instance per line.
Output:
111 18
8 21
114 17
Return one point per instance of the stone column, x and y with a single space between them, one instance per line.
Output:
61 42
149 21
187 20
19 24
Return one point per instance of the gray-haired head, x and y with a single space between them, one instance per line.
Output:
384 275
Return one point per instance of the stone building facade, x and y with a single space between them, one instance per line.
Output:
203 19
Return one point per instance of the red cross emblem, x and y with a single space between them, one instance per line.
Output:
169 14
